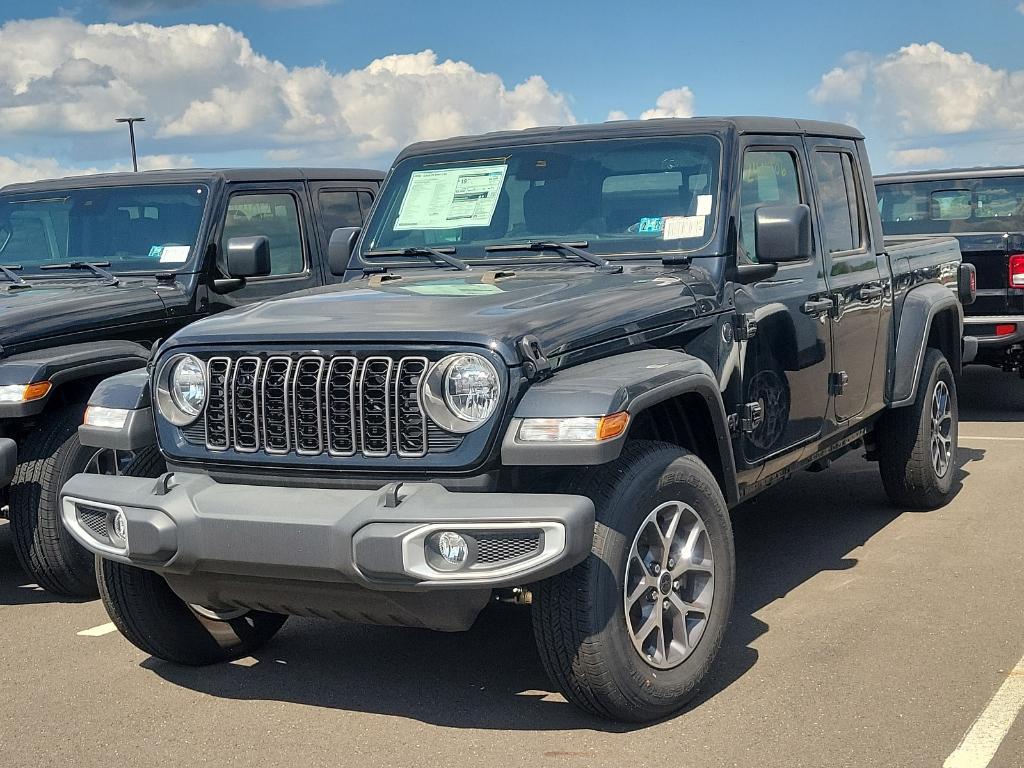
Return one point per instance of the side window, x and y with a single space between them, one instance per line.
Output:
365 203
769 178
841 220
273 215
340 208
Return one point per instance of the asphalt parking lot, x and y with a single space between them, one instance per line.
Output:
861 636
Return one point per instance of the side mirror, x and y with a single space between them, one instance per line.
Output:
782 233
967 284
339 250
247 257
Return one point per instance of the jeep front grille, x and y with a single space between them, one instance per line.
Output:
314 405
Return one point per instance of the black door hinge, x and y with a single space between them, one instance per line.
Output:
535 364
748 419
745 326
837 382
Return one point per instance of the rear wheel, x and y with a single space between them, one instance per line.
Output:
158 622
917 444
630 633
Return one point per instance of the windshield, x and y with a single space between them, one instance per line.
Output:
618 196
952 206
141 228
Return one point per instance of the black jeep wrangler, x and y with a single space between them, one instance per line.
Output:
97 268
562 356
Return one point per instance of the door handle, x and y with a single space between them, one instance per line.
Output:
867 294
817 307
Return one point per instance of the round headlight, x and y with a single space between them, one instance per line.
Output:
461 392
182 389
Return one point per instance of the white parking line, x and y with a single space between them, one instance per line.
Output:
102 629
983 739
983 437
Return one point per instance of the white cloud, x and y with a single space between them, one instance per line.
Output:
205 90
677 102
1020 8
917 157
26 168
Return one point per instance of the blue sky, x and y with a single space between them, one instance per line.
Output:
957 101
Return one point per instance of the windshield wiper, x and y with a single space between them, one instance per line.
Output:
96 267
447 255
16 280
576 249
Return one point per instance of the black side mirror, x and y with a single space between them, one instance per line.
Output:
967 284
247 257
782 233
339 250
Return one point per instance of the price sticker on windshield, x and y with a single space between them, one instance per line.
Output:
451 197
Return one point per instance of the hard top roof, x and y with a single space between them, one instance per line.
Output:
187 175
667 126
981 172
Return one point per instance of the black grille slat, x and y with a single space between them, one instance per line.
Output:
244 404
339 397
218 435
275 413
306 406
374 406
410 421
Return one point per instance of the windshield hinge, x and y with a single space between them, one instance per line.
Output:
383 277
535 364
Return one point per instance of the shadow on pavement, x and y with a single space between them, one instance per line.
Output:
989 394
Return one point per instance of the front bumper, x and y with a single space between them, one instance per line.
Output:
8 460
190 525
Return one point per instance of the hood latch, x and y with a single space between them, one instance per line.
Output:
535 364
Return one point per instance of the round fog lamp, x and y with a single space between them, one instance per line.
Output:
452 548
121 526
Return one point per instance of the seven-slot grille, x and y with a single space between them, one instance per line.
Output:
314 405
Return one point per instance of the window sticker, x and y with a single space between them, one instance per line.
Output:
173 254
682 227
704 204
156 252
451 197
650 225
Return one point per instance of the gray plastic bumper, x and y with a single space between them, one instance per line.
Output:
381 539
8 460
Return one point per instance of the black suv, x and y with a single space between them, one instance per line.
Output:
562 355
95 269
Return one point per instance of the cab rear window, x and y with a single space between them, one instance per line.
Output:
952 206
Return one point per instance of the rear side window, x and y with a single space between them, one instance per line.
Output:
276 217
952 206
769 178
839 196
341 208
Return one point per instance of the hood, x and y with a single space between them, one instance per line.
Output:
55 307
565 309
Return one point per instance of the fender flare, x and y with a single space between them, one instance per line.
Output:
64 364
920 307
631 382
128 391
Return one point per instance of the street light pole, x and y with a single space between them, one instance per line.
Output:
131 134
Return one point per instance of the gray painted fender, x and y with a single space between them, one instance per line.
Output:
920 308
60 365
631 382
128 391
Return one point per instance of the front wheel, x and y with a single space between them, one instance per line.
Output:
917 444
629 633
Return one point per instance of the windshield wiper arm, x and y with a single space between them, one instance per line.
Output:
96 267
16 280
576 249
447 255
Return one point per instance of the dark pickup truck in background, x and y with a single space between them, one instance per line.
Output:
560 356
94 270
984 209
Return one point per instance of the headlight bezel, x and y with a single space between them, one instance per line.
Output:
434 395
167 403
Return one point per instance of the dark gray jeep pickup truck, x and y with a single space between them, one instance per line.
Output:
94 269
560 357
983 208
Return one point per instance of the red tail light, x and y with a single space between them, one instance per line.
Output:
1005 329
1017 270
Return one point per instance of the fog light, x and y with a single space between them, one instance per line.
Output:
121 527
452 548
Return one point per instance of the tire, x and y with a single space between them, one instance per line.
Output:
147 462
580 616
158 622
910 473
48 457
